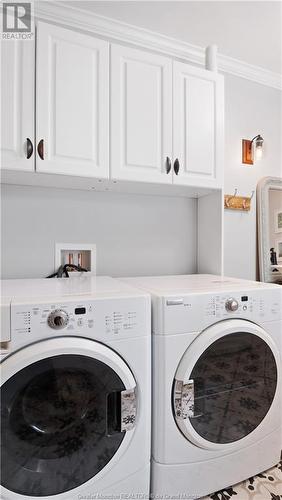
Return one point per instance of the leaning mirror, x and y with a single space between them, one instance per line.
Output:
269 198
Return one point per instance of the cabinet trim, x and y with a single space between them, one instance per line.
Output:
113 29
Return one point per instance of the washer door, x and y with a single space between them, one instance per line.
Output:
225 384
66 406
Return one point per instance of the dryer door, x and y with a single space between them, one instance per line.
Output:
225 384
68 408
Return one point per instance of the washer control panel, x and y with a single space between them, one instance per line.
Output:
104 318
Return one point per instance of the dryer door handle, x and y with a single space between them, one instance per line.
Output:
184 400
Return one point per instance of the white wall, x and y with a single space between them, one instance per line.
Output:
250 109
134 234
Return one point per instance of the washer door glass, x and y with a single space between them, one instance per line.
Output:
60 424
233 384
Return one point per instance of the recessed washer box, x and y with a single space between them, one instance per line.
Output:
83 254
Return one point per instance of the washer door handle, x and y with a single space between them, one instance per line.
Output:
121 411
128 409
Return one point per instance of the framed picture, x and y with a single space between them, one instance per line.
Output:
278 221
279 250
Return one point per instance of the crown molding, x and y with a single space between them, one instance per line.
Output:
69 16
250 72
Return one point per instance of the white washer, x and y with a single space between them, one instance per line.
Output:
216 381
75 389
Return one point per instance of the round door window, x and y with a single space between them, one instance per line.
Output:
60 424
231 388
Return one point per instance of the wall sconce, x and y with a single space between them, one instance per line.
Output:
252 149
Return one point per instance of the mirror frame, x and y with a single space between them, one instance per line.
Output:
263 188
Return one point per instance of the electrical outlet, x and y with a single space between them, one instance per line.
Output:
82 254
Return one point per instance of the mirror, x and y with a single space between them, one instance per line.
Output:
269 198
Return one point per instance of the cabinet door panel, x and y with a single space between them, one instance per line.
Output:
72 102
141 113
17 103
198 126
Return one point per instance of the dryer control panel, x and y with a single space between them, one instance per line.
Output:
258 306
194 312
101 319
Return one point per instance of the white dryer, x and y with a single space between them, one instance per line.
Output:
216 381
75 389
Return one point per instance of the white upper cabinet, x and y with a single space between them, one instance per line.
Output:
72 114
127 115
161 119
17 104
141 115
197 126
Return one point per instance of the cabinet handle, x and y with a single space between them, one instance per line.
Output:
29 148
168 165
176 166
40 149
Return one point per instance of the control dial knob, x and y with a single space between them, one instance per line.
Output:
58 319
231 305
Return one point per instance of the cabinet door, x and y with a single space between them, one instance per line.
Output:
141 113
197 126
72 103
17 104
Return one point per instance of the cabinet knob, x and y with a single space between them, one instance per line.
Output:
168 165
40 149
176 166
29 148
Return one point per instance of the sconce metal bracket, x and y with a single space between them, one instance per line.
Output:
247 152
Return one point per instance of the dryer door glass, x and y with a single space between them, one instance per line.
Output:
60 424
234 383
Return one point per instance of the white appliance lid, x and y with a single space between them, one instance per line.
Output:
194 283
91 286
